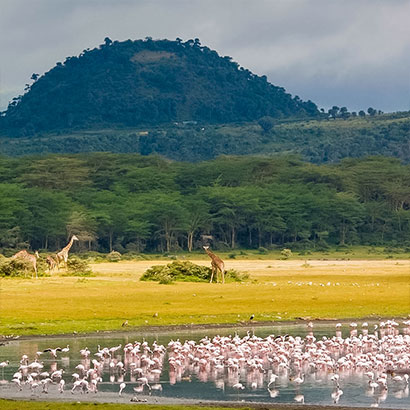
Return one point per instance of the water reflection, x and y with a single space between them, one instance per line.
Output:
362 365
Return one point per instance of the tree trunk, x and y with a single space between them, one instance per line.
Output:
190 241
233 238
342 234
111 234
168 241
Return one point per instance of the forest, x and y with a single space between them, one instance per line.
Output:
135 203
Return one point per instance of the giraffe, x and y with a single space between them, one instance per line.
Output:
28 257
62 256
52 263
217 264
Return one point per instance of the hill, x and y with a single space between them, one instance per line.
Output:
146 83
317 141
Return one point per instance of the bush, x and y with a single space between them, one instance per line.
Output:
114 256
322 246
78 267
232 275
185 271
262 250
15 267
286 253
165 278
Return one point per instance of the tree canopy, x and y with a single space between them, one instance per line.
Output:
130 202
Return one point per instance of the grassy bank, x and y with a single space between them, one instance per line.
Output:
276 291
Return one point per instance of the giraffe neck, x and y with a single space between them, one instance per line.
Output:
68 246
212 255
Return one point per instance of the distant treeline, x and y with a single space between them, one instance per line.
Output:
144 203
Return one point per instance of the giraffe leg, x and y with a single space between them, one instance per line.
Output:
212 275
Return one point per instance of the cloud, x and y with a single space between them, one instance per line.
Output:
353 53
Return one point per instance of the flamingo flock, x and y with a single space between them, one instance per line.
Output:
379 358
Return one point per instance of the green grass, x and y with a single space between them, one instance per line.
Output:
348 252
39 405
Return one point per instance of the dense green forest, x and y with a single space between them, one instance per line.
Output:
139 203
317 141
146 82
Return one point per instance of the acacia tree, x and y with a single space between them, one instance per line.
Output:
138 227
167 216
49 214
110 213
229 207
197 217
347 214
13 214
83 226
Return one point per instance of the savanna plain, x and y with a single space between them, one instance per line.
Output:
276 291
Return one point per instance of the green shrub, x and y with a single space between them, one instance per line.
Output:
262 250
185 271
114 256
232 275
77 267
15 267
165 278
286 253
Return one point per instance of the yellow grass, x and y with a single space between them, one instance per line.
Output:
277 290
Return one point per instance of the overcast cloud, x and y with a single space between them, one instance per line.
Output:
353 53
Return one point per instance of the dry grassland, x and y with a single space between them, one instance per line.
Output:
276 291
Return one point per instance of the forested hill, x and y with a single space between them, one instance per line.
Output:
146 82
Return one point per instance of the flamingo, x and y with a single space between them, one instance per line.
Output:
272 379
299 398
17 381
298 380
336 395
122 387
2 366
65 349
53 351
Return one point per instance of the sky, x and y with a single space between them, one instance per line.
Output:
353 53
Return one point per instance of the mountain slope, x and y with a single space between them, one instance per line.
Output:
317 141
146 82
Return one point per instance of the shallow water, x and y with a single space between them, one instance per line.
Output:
317 387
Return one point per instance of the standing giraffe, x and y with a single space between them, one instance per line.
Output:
62 256
52 263
217 264
28 257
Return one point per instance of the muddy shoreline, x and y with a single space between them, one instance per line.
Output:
197 327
